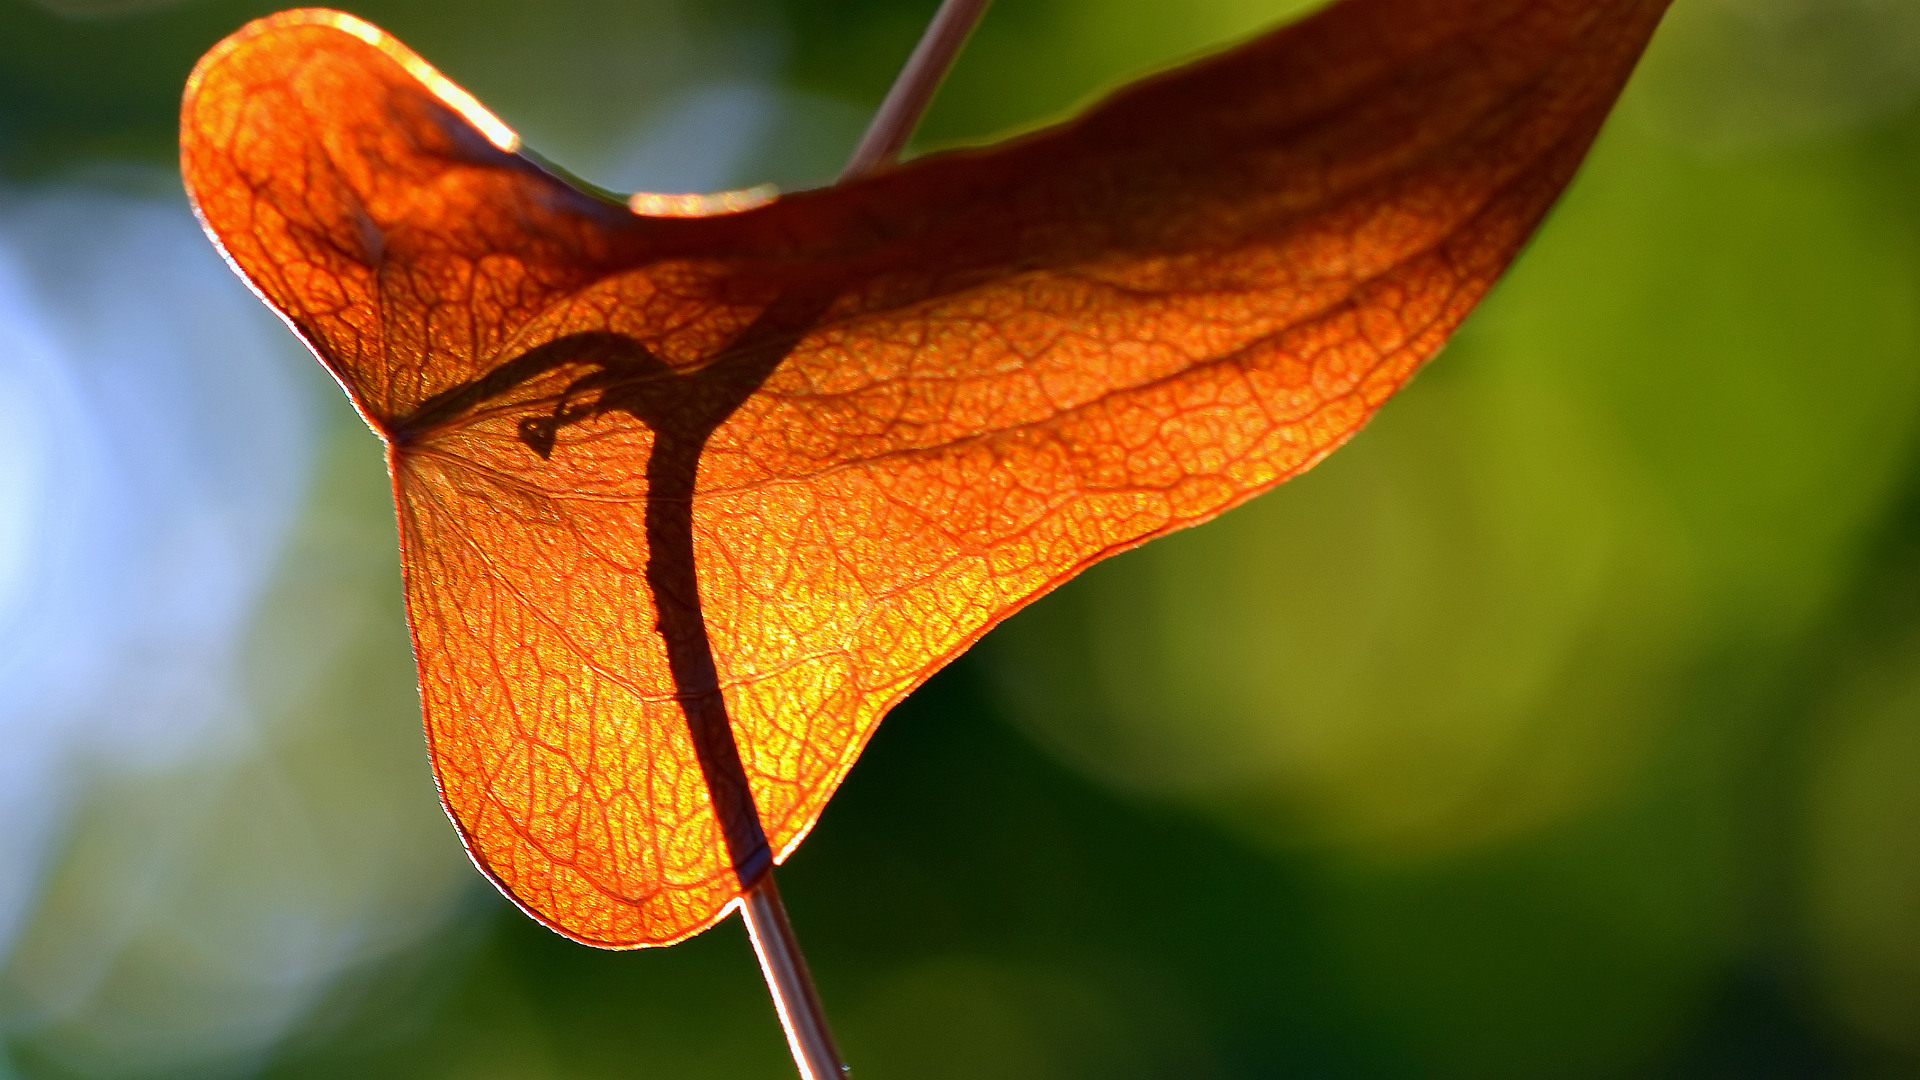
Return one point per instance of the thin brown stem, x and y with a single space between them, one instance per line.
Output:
781 960
914 87
794 998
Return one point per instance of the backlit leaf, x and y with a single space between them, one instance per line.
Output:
689 498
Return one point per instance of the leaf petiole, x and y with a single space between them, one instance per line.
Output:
794 997
913 88
781 960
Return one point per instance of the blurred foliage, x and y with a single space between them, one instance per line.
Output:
1565 724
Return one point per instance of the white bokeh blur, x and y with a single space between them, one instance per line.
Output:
153 450
170 899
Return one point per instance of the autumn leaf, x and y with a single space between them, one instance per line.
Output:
689 497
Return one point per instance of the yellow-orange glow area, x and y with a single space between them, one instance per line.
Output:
697 205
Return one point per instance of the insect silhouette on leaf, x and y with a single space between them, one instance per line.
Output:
692 490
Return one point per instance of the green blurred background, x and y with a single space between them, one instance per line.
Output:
1565 724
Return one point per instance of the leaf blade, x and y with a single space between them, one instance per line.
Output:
827 443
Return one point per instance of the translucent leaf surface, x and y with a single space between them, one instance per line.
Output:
688 502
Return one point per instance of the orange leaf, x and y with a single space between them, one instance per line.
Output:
688 502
